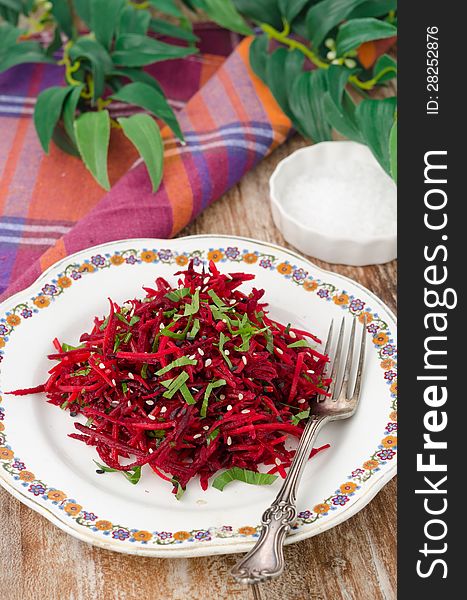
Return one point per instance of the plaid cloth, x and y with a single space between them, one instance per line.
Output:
229 125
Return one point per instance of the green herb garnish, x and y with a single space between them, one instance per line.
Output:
299 416
245 475
179 362
298 344
210 387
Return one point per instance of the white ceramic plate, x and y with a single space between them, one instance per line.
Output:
55 475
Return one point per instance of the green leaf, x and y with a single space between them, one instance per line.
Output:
356 32
304 414
62 15
224 13
183 361
211 436
145 135
193 307
375 119
327 14
97 55
8 36
210 387
342 116
180 489
283 68
138 75
83 10
55 44
105 17
373 8
63 141
338 105
393 151
47 112
21 53
174 385
259 56
133 475
187 395
133 50
307 104
291 8
147 97
298 344
133 21
261 11
92 131
168 7
15 5
245 475
385 63
164 28
69 110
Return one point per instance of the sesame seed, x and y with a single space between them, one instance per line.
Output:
229 276
222 396
102 366
152 417
163 410
131 376
196 436
161 326
229 441
150 402
200 352
206 280
151 450
194 390
292 334
114 383
226 352
114 403
301 401
240 396
206 427
229 407
278 462
279 351
232 302
224 321
244 360
129 404
192 357
208 363
245 412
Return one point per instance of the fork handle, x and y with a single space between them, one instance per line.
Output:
266 559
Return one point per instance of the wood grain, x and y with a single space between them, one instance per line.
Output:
353 561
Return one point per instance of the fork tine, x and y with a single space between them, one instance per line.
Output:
361 358
344 389
327 347
337 359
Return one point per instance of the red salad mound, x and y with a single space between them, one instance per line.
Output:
190 380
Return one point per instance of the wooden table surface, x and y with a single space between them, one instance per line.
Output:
355 560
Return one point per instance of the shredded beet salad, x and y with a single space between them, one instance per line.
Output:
190 380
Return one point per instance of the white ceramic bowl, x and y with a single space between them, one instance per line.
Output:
334 161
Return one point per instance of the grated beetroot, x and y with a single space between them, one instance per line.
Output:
189 380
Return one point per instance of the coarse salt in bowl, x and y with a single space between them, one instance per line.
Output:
333 201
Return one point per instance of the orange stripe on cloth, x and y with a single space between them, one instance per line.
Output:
209 67
23 124
74 191
53 254
279 121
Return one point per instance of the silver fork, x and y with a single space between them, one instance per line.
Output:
266 559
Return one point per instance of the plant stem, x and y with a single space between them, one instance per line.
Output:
282 37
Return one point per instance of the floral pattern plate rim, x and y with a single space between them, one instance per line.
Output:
196 530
